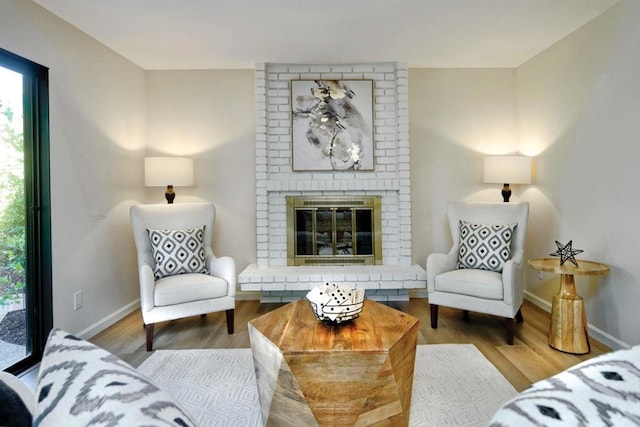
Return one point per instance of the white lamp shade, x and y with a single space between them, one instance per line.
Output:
163 171
507 169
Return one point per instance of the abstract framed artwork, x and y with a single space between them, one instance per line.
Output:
332 125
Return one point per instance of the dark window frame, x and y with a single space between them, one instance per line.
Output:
38 205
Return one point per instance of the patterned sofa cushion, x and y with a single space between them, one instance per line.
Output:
80 384
603 391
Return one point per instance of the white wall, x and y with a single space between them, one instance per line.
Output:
456 117
579 109
97 125
210 116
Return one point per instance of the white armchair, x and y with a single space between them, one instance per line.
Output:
498 293
181 295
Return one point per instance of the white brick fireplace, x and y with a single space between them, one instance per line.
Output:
275 180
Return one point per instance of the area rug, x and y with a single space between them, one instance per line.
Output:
453 385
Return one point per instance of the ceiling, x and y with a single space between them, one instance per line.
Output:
211 34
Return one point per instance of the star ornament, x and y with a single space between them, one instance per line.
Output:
566 253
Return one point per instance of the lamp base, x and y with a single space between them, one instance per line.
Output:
170 195
506 193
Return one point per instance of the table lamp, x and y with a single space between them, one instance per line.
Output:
169 171
507 170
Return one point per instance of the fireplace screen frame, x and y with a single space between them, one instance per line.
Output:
347 213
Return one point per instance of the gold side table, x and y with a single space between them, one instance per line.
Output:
568 330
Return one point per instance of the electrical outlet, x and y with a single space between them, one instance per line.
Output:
540 275
77 300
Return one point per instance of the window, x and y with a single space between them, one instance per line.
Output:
25 213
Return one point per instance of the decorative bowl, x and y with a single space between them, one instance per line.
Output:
335 304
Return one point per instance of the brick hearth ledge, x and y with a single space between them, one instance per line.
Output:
285 284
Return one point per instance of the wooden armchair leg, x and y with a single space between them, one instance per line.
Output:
149 329
509 327
434 316
519 317
229 314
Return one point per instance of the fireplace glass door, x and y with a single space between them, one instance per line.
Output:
332 231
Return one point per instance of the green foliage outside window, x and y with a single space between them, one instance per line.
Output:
12 210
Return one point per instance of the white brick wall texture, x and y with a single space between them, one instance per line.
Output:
275 178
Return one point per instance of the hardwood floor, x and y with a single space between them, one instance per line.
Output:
528 360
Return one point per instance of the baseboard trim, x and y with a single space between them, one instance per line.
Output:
118 315
105 322
247 295
594 332
255 295
537 301
418 293
597 333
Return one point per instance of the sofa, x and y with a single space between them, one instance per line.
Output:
80 384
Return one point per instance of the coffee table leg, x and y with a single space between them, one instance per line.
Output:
568 319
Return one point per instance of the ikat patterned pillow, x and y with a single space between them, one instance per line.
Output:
178 251
484 247
603 391
80 384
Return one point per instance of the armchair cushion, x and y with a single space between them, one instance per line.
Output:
178 251
187 288
483 246
476 283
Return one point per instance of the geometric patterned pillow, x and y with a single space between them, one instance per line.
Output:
80 384
178 251
484 247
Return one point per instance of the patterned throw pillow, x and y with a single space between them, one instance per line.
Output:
602 391
484 247
80 384
178 251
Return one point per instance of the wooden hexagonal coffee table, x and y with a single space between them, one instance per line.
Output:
359 373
